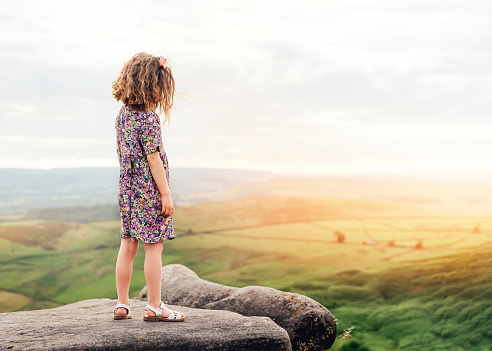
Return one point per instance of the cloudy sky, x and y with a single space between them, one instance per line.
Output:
324 87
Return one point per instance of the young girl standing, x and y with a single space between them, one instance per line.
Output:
146 207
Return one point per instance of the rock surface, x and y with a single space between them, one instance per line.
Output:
309 324
89 325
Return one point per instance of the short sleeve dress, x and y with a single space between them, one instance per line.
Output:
139 199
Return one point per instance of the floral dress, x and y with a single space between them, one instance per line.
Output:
139 199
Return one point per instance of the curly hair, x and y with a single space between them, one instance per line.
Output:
145 84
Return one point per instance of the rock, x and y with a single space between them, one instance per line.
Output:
309 324
89 325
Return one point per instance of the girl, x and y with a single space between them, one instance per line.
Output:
146 207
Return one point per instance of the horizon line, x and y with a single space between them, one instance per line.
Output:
451 176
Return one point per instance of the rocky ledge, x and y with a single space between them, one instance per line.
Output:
309 324
89 325
218 317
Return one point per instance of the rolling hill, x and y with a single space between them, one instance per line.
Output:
397 296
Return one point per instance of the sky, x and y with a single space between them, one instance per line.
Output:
310 87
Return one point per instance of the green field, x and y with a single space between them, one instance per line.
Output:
397 297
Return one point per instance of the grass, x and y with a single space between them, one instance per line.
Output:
397 298
12 301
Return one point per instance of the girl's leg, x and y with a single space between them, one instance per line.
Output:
153 270
124 267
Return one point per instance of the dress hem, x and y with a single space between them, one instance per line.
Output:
147 242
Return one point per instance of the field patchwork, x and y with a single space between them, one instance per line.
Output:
404 282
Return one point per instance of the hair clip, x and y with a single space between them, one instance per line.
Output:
163 62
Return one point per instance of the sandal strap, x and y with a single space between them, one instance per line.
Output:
122 305
174 315
158 310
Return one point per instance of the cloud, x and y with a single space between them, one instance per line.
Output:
273 85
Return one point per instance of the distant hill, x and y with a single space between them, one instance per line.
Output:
26 190
77 214
236 213
22 190
445 197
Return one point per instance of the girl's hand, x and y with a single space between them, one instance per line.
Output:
159 175
167 205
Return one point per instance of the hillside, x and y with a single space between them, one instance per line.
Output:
263 211
398 296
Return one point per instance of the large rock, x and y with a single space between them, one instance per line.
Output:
310 325
89 325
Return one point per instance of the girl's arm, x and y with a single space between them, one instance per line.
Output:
159 175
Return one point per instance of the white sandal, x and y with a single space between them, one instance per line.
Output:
128 314
174 316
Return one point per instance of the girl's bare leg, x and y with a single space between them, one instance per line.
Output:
124 267
153 270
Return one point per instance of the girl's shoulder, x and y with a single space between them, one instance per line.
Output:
146 119
150 116
150 112
141 115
